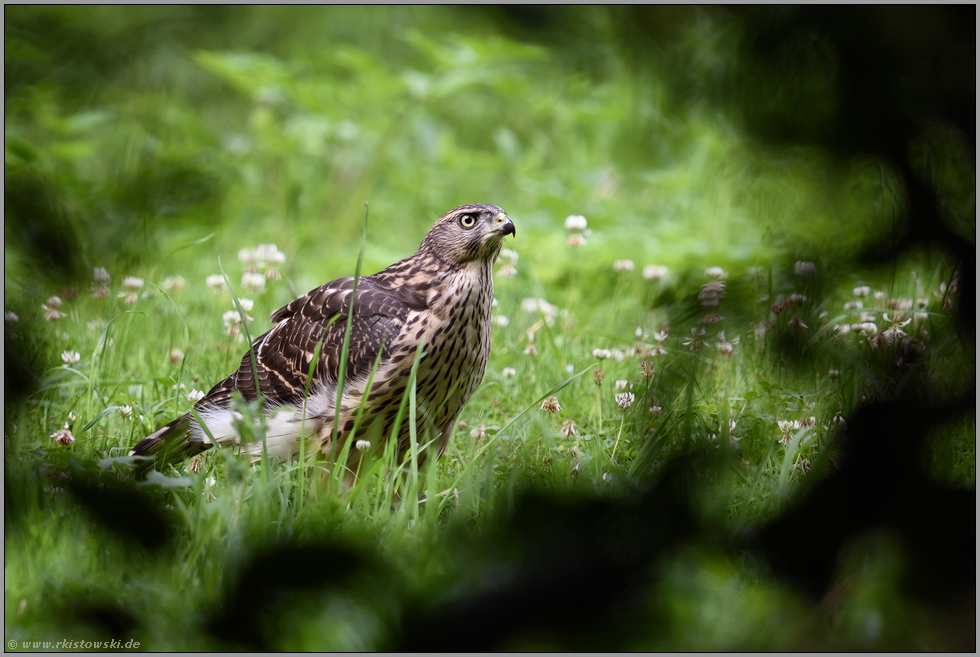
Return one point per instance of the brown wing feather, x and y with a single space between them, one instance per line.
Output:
283 354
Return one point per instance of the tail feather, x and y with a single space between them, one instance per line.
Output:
168 444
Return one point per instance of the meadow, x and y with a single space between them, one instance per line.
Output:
686 331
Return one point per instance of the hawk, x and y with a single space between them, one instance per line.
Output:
439 298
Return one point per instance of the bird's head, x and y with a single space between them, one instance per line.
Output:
469 233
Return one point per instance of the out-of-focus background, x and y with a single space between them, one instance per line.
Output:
801 179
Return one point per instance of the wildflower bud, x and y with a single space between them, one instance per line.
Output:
551 405
599 376
176 355
195 464
646 370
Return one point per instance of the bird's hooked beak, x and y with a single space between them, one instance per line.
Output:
504 225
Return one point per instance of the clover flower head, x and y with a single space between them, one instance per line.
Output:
576 223
551 405
804 269
625 400
253 282
195 396
70 358
654 272
624 265
63 436
569 428
216 282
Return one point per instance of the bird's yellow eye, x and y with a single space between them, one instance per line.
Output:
467 221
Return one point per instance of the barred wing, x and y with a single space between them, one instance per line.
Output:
283 355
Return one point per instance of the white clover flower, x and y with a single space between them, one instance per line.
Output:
533 306
621 385
51 312
509 372
175 283
833 374
715 273
788 426
176 355
210 481
247 304
576 239
696 340
501 320
133 283
125 411
195 396
881 296
363 445
660 336
570 368
724 346
601 354
623 265
576 223
216 281
862 291
231 317
100 275
253 282
625 400
63 436
551 405
509 256
618 355
70 358
569 428
804 269
178 386
247 257
10 317
865 328
796 322
72 417
853 305
269 254
654 272
798 298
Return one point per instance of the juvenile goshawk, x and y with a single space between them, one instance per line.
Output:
440 298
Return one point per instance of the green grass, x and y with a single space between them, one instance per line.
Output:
233 147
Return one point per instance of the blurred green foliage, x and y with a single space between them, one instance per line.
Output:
158 141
